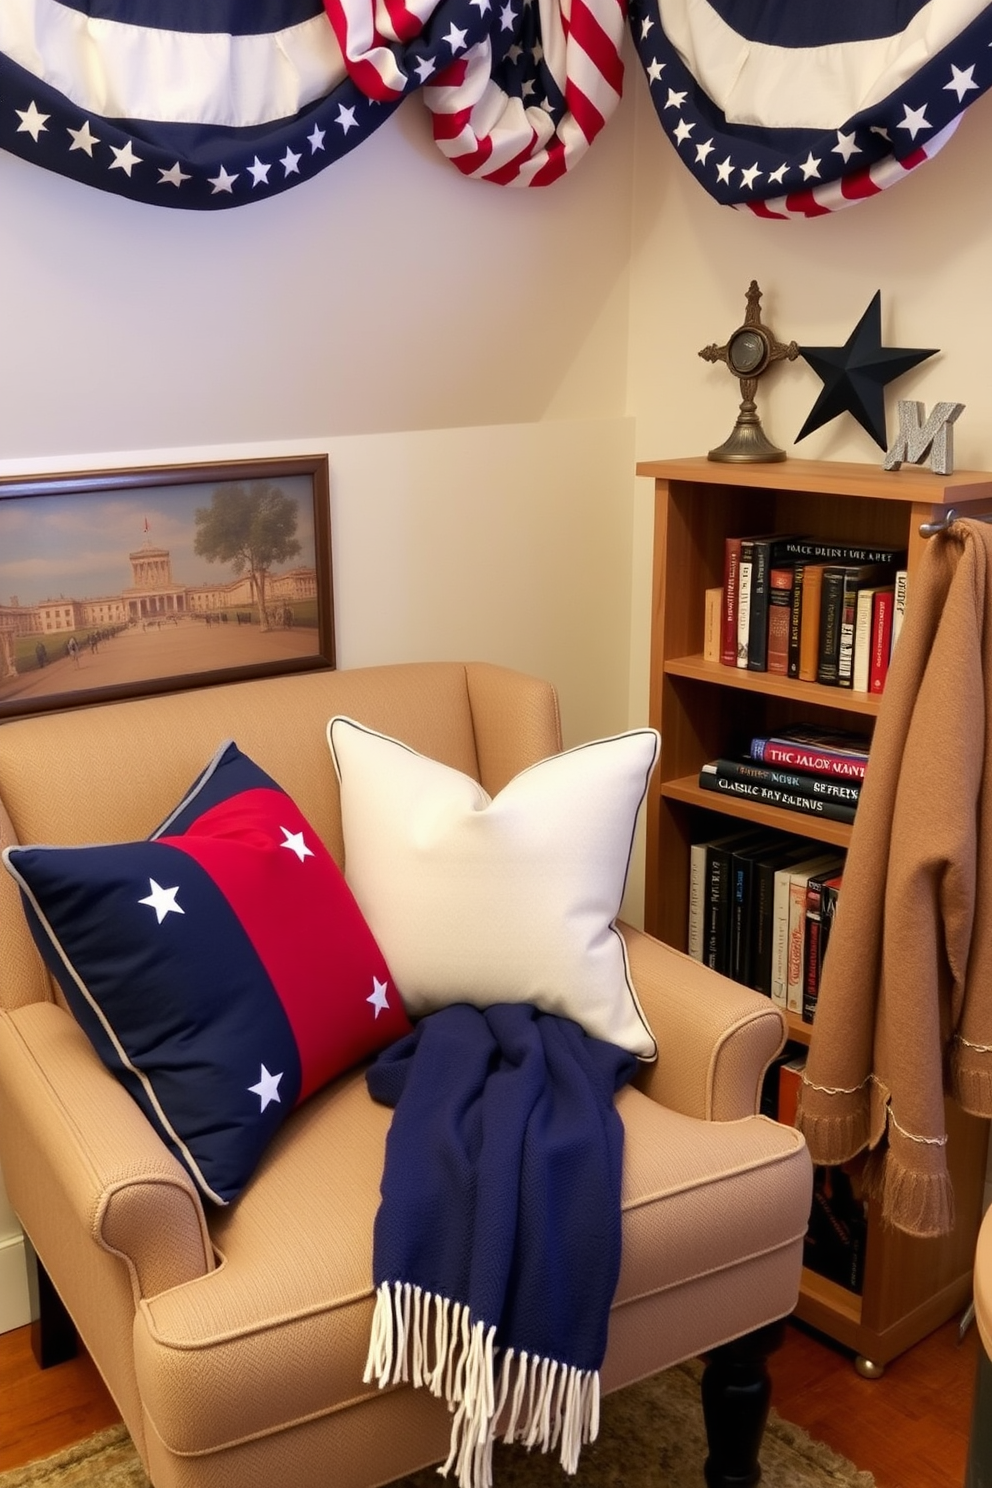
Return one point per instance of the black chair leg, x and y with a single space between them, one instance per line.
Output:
736 1391
53 1333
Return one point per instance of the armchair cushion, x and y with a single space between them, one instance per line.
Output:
222 968
508 899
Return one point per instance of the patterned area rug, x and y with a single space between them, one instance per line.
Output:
651 1433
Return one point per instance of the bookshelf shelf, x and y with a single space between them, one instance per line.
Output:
687 790
702 708
809 694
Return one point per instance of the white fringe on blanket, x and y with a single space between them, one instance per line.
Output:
430 1342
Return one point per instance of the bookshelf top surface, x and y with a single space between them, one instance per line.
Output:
830 477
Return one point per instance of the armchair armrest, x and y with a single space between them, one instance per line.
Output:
715 1038
80 1159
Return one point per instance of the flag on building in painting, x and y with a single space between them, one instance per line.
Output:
794 109
781 107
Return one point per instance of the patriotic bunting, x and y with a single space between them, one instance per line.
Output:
790 108
785 108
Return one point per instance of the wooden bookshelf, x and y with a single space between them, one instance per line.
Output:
701 708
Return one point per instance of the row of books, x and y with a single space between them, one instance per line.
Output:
761 905
815 771
820 612
834 1245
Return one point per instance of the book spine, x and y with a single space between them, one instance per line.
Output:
881 648
811 951
809 551
757 642
780 937
831 599
809 633
717 908
762 927
845 648
731 574
744 601
901 588
697 892
780 584
803 757
795 619
711 624
790 780
828 909
862 642
769 795
797 929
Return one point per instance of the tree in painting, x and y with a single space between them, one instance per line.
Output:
251 529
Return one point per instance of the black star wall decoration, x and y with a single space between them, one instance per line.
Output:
854 375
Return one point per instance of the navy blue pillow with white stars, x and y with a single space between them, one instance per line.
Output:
221 968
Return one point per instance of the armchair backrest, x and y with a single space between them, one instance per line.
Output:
112 773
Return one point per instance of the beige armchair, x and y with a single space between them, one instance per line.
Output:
233 1340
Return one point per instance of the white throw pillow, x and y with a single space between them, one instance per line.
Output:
512 899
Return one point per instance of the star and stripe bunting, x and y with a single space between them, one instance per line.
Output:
213 103
783 108
794 109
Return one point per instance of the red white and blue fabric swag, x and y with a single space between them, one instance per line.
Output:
496 1248
783 107
215 103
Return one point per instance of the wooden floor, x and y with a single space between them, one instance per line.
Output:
909 1428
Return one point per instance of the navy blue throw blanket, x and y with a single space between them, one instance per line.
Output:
497 1242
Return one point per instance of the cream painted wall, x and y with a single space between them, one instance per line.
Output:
389 293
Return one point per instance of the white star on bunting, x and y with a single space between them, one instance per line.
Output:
175 176
378 999
290 162
125 159
259 172
346 118
267 1088
162 901
915 120
725 170
779 174
32 122
83 139
655 70
682 132
223 181
810 167
845 146
315 139
455 38
961 82
703 150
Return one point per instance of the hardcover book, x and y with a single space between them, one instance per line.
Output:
717 902
780 583
731 580
811 550
772 795
881 649
863 637
791 780
796 942
809 623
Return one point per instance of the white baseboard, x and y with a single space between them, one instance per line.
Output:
15 1302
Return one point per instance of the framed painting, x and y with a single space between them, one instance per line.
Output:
121 583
